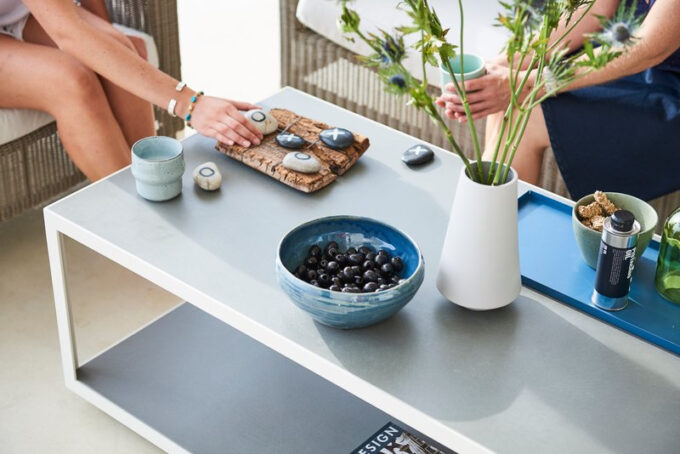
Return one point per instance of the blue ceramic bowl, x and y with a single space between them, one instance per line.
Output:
348 310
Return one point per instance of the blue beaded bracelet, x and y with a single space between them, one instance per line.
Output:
193 100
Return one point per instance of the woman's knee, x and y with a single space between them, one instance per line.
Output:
76 86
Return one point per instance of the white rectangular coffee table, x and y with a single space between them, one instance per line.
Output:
240 369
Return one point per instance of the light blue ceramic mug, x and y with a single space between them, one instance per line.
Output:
473 67
158 166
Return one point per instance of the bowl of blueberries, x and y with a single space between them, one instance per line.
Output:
347 271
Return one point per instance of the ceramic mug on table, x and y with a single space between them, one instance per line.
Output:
473 67
158 166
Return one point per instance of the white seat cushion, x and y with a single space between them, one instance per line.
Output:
480 34
16 123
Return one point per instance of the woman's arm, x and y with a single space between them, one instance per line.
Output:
658 37
103 54
96 7
574 37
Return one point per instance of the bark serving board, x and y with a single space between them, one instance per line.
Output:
268 156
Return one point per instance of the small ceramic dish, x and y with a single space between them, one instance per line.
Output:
588 240
348 310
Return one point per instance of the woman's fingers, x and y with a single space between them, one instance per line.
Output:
240 119
473 97
229 132
219 136
241 129
241 105
462 118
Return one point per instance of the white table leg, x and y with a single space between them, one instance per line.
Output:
67 340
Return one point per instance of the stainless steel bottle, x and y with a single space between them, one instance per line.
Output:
616 261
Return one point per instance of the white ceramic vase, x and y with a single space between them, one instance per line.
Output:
479 267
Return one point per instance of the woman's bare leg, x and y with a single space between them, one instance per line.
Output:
43 78
529 156
134 115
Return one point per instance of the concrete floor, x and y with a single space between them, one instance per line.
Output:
37 413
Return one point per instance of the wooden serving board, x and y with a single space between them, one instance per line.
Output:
268 156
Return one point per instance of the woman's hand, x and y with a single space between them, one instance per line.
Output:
487 94
220 119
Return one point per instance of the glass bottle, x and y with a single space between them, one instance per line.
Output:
668 266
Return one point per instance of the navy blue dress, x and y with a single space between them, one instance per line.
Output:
622 136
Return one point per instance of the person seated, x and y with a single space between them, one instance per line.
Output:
617 128
58 57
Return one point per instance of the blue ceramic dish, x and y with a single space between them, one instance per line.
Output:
348 310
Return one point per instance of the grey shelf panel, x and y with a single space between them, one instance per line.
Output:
211 389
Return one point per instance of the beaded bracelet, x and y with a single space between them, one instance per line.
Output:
194 98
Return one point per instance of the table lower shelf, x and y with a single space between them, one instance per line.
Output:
209 388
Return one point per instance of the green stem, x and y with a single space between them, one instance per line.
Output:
466 104
571 27
506 115
449 135
513 126
558 89
526 113
471 125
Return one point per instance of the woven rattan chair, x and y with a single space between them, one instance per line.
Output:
34 168
314 64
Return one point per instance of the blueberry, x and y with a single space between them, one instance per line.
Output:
381 259
323 263
387 269
301 270
358 280
346 290
351 251
370 287
397 263
332 267
348 274
395 279
335 288
365 250
314 251
311 275
371 256
356 269
331 253
383 252
341 259
368 265
324 279
314 283
335 280
332 245
371 276
356 259
384 287
312 263
382 280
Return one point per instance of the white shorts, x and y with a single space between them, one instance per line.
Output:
15 29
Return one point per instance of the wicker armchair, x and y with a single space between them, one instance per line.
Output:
35 168
318 66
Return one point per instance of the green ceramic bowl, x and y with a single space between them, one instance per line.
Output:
588 240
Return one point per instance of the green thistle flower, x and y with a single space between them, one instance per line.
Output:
619 31
398 80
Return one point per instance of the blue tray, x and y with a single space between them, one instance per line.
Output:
551 263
